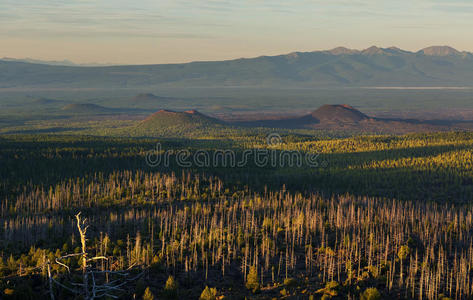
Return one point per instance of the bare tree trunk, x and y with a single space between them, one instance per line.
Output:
51 293
82 232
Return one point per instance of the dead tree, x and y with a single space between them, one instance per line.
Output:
90 288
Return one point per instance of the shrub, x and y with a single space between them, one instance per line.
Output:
148 295
370 294
252 282
170 289
330 289
290 282
208 294
9 292
403 252
23 292
332 285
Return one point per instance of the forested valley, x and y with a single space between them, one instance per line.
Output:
377 217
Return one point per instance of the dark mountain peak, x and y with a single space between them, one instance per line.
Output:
440 51
142 97
373 50
396 50
341 113
342 51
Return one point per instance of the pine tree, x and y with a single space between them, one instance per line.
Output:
208 294
170 289
148 295
252 281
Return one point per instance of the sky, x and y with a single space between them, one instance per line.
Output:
173 31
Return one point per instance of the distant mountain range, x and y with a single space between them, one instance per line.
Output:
52 62
432 66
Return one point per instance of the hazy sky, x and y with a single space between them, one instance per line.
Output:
162 31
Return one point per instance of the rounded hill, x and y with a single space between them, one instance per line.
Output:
145 97
167 122
85 108
339 113
440 51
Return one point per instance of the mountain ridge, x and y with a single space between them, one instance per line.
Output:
64 62
374 66
435 50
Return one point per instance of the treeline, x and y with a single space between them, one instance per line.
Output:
434 167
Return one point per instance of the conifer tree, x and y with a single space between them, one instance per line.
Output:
252 281
148 295
170 288
208 294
